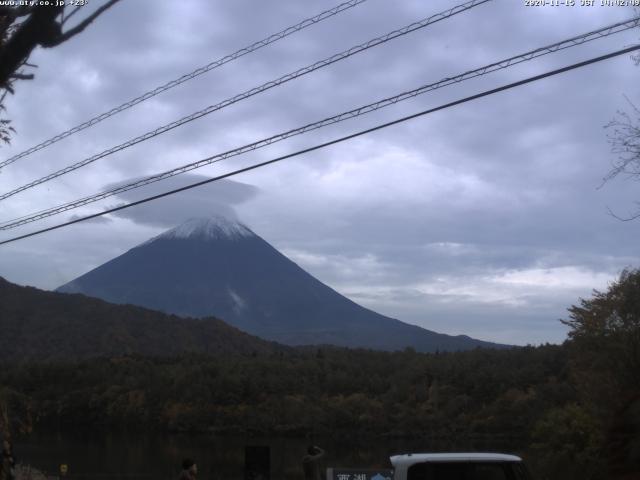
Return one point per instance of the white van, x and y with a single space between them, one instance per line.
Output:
459 466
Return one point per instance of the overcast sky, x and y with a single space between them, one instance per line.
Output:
485 219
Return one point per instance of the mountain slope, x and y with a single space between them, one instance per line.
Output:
36 325
219 267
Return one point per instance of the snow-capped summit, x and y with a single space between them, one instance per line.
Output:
215 227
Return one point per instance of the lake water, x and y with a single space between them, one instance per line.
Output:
136 456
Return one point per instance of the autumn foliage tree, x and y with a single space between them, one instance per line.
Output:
605 363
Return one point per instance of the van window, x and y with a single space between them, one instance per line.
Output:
462 471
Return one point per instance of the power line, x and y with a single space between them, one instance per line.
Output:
333 142
254 91
371 107
189 76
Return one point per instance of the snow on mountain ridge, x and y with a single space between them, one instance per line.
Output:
214 227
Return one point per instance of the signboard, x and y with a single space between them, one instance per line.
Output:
358 474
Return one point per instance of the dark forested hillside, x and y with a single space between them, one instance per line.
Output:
39 325
326 391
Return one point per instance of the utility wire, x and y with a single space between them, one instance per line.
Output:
502 64
184 78
332 142
254 91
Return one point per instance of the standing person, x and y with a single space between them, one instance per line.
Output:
311 463
7 461
189 470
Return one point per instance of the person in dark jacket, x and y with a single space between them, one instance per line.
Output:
189 470
311 463
7 461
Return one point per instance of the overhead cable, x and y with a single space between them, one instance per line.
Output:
371 107
185 78
253 91
332 142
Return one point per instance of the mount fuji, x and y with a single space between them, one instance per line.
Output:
219 267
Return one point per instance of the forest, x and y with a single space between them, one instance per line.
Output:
575 406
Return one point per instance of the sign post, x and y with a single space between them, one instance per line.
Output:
257 462
359 474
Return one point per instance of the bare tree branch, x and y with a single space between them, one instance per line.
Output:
624 138
73 12
41 26
630 218
38 26
63 37
22 76
625 142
